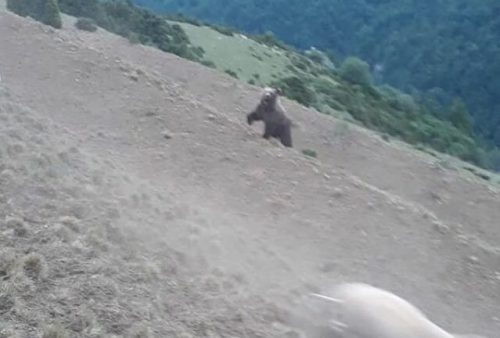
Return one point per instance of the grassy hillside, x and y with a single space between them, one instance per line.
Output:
248 59
331 91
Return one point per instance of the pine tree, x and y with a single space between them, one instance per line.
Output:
51 14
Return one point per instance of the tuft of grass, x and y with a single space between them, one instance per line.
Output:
86 24
34 266
310 153
231 73
55 331
478 173
223 30
133 38
18 225
7 302
139 332
208 63
341 128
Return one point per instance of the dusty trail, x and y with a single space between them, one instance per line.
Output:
237 217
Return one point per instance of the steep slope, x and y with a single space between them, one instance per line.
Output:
444 48
229 228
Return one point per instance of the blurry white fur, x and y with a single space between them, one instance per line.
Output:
368 312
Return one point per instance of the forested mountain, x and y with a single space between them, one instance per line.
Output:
437 48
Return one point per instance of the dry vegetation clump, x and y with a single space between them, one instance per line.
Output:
34 266
55 331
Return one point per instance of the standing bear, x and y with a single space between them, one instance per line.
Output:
271 112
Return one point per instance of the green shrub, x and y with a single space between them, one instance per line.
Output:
51 14
310 153
231 73
86 24
295 89
269 39
45 11
208 63
356 71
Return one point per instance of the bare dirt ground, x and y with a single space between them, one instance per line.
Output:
136 202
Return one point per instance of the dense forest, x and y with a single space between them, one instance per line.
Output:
437 49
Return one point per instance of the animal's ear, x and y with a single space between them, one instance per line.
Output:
279 91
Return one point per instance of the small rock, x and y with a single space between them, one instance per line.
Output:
211 117
497 276
440 227
337 193
167 134
473 259
134 77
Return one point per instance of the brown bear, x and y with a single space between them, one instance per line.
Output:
271 112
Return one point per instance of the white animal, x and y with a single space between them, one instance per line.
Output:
365 311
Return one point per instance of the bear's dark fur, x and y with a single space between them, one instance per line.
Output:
271 112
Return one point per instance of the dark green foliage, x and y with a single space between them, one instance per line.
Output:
356 71
136 24
45 11
295 89
231 73
51 15
86 24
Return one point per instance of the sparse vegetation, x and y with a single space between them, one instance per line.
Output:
134 23
86 24
270 40
34 266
